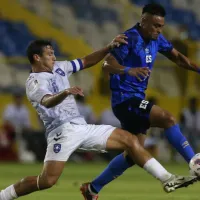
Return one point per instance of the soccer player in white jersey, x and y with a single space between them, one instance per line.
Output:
49 91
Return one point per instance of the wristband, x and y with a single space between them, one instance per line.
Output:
126 69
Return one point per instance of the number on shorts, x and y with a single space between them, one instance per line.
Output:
143 104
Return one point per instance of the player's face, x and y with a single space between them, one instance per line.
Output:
48 58
152 26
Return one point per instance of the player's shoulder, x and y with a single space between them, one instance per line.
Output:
36 79
61 67
59 64
133 30
133 34
161 38
36 76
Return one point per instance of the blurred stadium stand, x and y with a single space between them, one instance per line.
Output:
77 27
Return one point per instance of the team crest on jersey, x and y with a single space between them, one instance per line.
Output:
60 72
147 51
56 148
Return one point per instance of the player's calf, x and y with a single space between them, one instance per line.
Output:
50 174
26 186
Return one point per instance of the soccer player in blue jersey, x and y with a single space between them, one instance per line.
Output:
130 66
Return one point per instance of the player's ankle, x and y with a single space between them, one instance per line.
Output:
8 193
167 178
92 190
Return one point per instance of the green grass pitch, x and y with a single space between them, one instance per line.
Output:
135 183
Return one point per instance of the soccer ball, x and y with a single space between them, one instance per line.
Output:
194 165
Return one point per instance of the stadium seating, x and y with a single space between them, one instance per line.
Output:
97 22
15 38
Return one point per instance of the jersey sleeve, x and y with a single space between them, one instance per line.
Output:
37 88
121 52
164 45
70 67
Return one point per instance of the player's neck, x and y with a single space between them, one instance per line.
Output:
40 68
142 33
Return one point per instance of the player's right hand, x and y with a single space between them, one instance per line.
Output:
141 73
75 91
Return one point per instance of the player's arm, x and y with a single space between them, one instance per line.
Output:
95 57
50 100
111 65
37 90
181 60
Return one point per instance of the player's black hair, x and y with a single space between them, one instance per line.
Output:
36 47
154 9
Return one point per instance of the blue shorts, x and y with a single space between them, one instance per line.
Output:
134 115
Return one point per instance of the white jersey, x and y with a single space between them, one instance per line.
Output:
40 84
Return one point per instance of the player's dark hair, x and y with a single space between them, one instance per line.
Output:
154 9
36 47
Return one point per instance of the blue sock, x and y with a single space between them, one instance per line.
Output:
115 168
179 142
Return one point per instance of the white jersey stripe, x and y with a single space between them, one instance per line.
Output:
77 65
80 63
73 65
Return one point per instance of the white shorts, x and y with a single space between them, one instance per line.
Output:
66 139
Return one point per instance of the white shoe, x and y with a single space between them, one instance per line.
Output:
176 182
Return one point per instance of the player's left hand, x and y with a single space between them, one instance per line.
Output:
118 40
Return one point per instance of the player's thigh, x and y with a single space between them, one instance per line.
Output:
161 118
141 137
134 115
121 140
63 141
96 137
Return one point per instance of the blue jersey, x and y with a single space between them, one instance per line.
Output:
137 53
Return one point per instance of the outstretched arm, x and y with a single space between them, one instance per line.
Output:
95 57
112 66
51 100
181 60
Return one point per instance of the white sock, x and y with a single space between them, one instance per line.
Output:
8 193
157 170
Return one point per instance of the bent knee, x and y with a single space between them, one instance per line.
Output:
48 182
170 121
130 140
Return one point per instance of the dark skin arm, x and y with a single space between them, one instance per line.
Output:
112 66
181 60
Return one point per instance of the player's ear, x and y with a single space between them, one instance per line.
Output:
36 57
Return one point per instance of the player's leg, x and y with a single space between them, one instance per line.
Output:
115 168
49 176
141 137
120 139
127 113
163 119
59 148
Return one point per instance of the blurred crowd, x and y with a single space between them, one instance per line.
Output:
20 142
